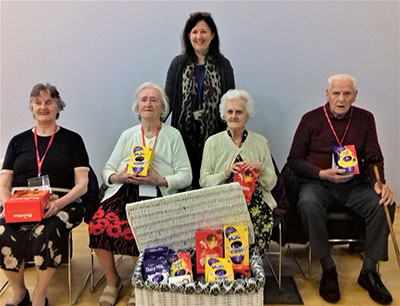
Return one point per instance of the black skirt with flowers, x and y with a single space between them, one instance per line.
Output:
109 229
44 242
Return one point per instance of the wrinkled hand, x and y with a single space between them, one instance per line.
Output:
152 178
250 165
121 177
335 175
242 165
52 206
387 196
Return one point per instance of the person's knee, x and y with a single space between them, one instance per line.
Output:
309 204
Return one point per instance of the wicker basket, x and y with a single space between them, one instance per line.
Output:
173 221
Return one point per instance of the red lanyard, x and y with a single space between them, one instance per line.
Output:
155 141
244 135
241 141
40 161
333 130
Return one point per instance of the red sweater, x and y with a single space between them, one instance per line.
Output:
314 140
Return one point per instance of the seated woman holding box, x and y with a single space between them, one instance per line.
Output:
238 150
170 170
46 151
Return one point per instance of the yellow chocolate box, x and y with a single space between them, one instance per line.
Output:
140 160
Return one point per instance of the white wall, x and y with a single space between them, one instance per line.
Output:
98 52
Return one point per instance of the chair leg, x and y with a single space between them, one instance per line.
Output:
278 278
91 270
89 275
3 287
280 258
69 267
309 259
296 262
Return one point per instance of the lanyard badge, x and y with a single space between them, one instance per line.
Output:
41 182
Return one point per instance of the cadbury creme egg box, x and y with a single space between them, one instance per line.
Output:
236 241
140 160
218 270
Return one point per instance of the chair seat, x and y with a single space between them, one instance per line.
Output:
343 213
344 224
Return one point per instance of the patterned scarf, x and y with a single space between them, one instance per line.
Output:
196 130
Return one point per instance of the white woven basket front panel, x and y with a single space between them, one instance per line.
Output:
145 297
211 293
173 220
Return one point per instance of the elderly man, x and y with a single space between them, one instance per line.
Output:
339 123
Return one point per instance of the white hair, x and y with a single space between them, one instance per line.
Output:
342 76
163 96
237 93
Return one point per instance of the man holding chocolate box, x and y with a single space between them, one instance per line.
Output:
339 123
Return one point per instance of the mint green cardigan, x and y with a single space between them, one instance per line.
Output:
220 152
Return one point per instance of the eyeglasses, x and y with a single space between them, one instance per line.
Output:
202 14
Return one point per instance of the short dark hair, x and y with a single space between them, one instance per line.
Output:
52 91
190 24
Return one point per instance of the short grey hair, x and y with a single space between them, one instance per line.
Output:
52 91
237 93
161 92
342 76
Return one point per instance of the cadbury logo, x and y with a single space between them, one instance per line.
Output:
28 215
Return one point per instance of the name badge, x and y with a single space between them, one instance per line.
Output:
147 191
39 183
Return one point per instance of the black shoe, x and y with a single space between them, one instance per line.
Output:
372 282
26 301
329 287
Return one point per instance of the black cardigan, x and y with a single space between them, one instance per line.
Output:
173 84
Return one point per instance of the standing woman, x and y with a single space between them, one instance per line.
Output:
47 149
196 81
228 151
109 230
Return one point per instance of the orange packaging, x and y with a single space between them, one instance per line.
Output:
209 243
26 206
247 179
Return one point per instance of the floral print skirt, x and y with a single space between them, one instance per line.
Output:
261 216
44 242
109 229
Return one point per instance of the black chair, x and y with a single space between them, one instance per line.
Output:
284 214
344 226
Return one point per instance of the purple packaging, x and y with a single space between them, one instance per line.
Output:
345 157
156 270
158 252
172 257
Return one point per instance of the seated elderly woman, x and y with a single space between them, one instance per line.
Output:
45 150
228 151
170 170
